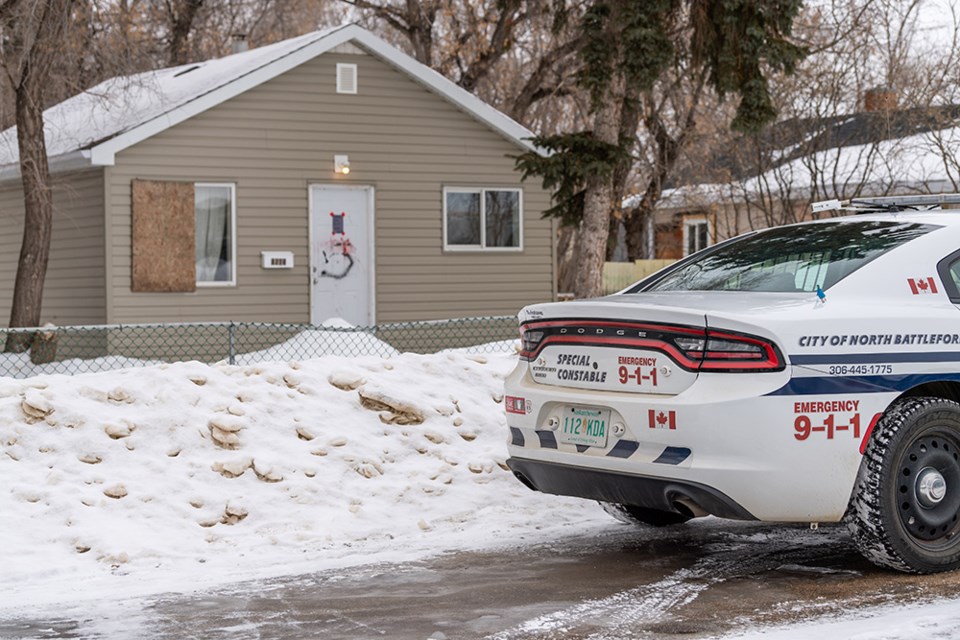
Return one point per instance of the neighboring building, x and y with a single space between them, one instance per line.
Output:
326 175
770 179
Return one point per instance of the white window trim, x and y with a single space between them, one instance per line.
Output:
483 226
694 221
233 235
352 67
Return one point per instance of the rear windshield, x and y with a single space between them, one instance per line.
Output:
788 259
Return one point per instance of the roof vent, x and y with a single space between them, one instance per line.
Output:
346 78
238 43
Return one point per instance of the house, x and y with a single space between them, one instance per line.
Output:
771 178
329 175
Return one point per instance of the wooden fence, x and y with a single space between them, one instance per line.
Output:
620 275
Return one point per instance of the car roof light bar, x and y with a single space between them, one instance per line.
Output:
919 202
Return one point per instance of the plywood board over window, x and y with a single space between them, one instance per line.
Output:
164 246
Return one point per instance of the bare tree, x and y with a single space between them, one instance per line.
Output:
413 19
34 33
505 51
828 145
181 15
259 21
671 112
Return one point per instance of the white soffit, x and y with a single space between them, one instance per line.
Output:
348 48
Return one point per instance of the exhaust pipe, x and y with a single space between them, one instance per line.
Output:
686 506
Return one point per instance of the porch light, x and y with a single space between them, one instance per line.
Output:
341 164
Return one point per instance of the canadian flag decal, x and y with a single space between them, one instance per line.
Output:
922 285
662 419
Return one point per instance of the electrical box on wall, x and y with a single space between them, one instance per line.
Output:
277 259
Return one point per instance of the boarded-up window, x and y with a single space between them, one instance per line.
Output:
164 247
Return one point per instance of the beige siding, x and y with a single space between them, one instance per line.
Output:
74 291
276 139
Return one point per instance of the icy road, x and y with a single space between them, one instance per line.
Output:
703 580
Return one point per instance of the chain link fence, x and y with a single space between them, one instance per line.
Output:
72 350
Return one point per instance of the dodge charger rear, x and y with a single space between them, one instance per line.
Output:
745 381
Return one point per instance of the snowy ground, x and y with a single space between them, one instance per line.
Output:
178 476
928 621
172 478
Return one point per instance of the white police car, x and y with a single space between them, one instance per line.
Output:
807 373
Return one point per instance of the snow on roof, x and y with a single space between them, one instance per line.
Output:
912 160
923 162
91 127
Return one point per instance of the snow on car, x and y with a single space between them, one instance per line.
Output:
806 373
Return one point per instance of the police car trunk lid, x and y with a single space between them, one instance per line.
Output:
646 343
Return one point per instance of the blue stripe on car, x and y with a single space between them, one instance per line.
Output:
824 385
673 455
874 358
624 449
547 439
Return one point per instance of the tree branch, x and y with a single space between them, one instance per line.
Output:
500 42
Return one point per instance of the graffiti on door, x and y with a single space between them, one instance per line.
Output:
338 250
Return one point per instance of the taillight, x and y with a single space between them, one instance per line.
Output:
721 351
692 348
530 340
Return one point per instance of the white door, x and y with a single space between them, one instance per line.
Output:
341 254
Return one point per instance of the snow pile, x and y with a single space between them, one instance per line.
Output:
313 343
185 475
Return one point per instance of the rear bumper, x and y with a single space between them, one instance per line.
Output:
689 498
734 434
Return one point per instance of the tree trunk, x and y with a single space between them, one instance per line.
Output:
649 235
640 227
629 122
501 41
180 26
599 199
566 254
38 219
633 228
420 30
43 27
612 235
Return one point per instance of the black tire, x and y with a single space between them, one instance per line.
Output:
642 515
903 513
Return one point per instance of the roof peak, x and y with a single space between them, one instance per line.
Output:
91 127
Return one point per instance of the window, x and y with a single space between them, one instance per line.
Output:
696 235
949 271
215 234
788 259
488 219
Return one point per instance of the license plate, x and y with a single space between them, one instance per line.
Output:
585 426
